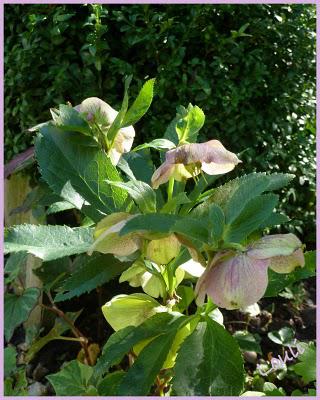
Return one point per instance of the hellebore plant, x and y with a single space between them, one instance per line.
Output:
186 243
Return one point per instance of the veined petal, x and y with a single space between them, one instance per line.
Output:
286 264
162 251
108 240
100 110
204 280
274 245
162 174
237 282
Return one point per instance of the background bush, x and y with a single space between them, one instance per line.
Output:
250 67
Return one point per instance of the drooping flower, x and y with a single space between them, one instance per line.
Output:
103 115
238 279
188 160
107 239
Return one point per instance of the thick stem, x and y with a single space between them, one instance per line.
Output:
170 188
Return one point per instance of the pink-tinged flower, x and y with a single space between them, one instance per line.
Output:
103 115
188 160
236 280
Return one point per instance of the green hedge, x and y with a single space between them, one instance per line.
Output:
250 67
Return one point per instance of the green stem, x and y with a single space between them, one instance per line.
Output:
170 188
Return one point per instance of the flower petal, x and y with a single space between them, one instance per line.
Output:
286 264
193 268
108 240
162 174
274 245
237 282
162 251
98 109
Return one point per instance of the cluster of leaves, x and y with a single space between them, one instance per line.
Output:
250 68
170 348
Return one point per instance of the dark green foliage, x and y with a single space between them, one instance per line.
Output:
251 68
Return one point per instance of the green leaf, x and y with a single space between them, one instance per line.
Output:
48 242
285 336
141 192
253 215
247 341
217 221
17 309
52 272
306 367
18 385
89 273
109 385
171 205
67 118
158 144
140 164
141 104
186 294
73 379
118 121
168 223
121 342
13 266
187 128
78 173
59 206
209 363
10 360
235 194
274 219
243 194
140 377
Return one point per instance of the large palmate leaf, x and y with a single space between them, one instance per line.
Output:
89 273
121 342
141 104
252 216
233 196
77 170
209 363
17 309
67 118
48 242
73 380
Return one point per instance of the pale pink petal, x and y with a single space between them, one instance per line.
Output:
162 174
274 245
98 108
217 169
286 264
237 282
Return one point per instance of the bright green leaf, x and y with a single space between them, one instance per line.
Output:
48 242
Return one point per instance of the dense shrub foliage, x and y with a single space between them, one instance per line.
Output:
251 68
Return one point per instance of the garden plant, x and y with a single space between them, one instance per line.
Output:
153 216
